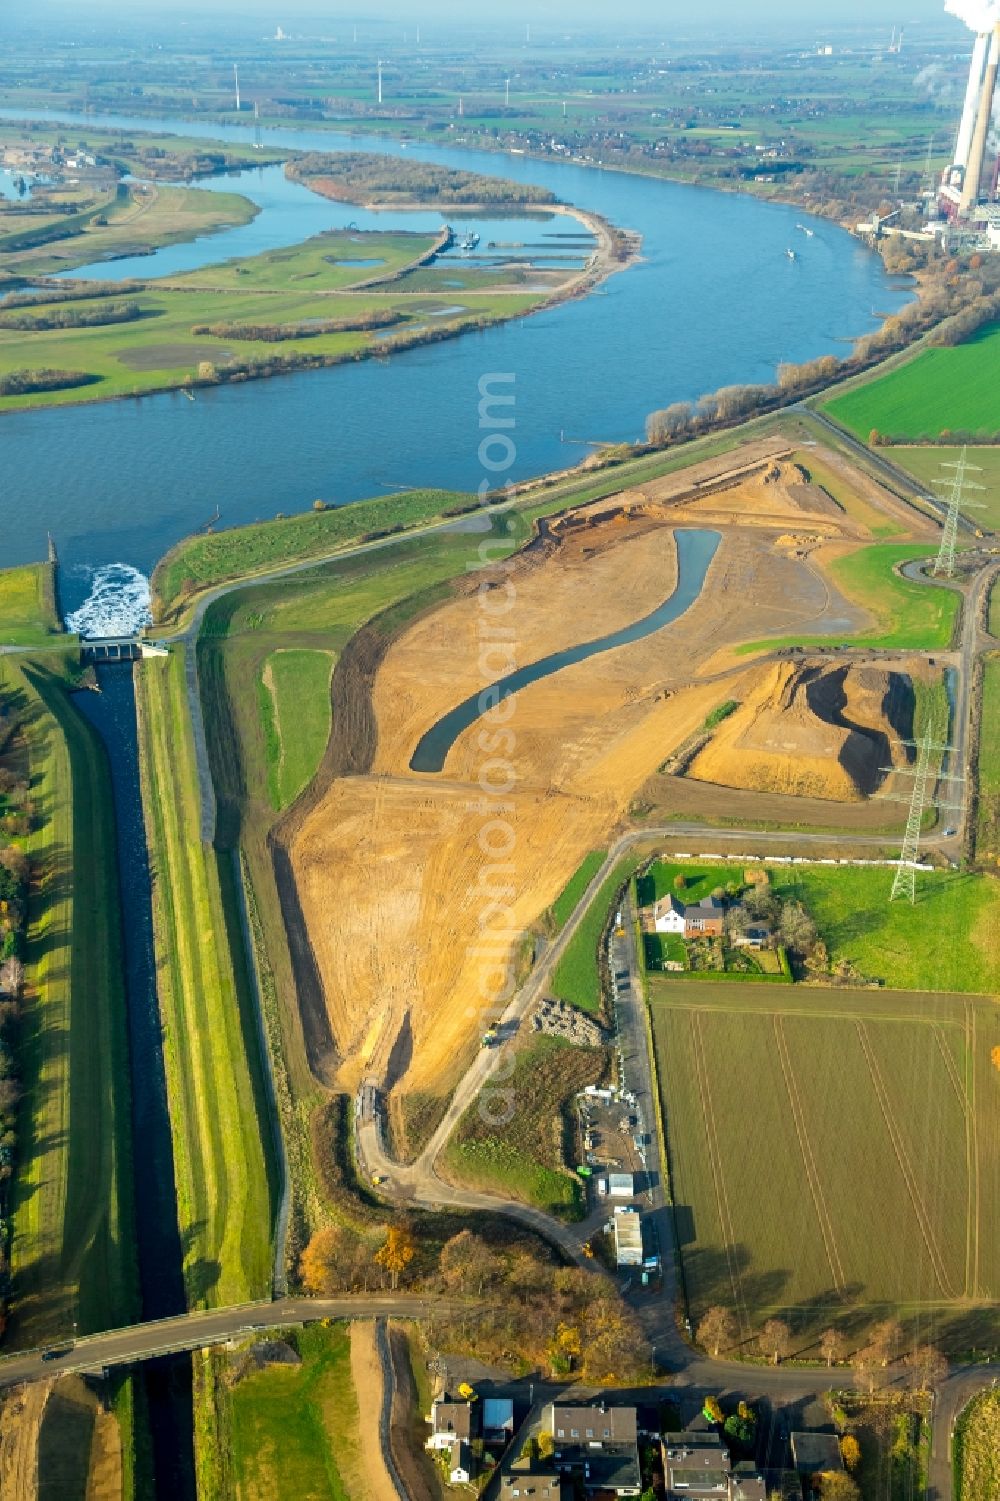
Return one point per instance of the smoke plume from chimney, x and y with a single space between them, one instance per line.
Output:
978 15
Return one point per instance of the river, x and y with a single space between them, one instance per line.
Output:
715 300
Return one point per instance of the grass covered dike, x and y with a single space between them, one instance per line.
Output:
222 1161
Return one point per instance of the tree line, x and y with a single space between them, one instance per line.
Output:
26 382
355 175
16 817
274 333
68 315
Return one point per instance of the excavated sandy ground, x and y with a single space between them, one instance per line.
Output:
366 1373
809 729
394 883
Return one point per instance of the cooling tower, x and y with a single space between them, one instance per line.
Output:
977 151
963 144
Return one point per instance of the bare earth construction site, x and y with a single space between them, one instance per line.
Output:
402 893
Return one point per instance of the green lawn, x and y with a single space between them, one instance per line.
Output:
939 391
565 903
218 1119
295 1428
928 463
908 616
27 605
772 1099
577 976
295 713
525 1158
977 1450
73 1240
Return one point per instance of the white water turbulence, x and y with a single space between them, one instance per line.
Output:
978 15
117 605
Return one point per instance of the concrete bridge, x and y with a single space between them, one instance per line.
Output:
119 649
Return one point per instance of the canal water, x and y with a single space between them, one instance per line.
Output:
695 551
158 1241
714 301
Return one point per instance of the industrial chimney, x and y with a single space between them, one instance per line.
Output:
977 151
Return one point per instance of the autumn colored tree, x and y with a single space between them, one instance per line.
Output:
335 1260
850 1451
837 1485
885 1340
396 1252
711 1410
467 1264
775 1340
717 1330
995 1056
868 1367
832 1345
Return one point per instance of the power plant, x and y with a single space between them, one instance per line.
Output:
974 170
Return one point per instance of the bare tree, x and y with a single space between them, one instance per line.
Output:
832 1346
717 1330
775 1340
926 1367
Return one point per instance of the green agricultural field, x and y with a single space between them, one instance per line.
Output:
295 1428
799 1119
294 696
928 464
525 1159
565 903
217 1111
908 616
27 606
938 391
200 562
577 976
977 1450
988 781
72 1250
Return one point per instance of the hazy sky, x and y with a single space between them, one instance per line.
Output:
803 14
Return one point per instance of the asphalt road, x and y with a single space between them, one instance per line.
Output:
193 1330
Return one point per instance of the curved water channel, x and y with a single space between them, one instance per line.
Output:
695 551
715 300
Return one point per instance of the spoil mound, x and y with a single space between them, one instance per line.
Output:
809 730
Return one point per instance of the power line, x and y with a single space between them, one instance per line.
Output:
926 774
945 561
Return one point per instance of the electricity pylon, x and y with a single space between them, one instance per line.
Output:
945 561
926 774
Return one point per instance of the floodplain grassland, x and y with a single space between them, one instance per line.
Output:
138 218
220 1131
72 1250
908 616
27 605
525 1158
939 391
328 262
771 1099
929 463
294 694
976 1452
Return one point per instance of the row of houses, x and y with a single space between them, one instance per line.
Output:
594 1449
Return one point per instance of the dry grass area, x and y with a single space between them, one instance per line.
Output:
394 884
366 1373
56 1439
812 730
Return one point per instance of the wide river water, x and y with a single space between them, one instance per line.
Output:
715 300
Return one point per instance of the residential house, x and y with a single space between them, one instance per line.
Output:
459 1463
497 1420
696 1465
452 1422
596 1447
704 919
533 1485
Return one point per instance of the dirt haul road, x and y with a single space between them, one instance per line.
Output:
415 889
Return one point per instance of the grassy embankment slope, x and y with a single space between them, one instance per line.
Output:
294 290
987 833
218 1120
290 1429
294 699
938 391
976 1452
907 616
72 1251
